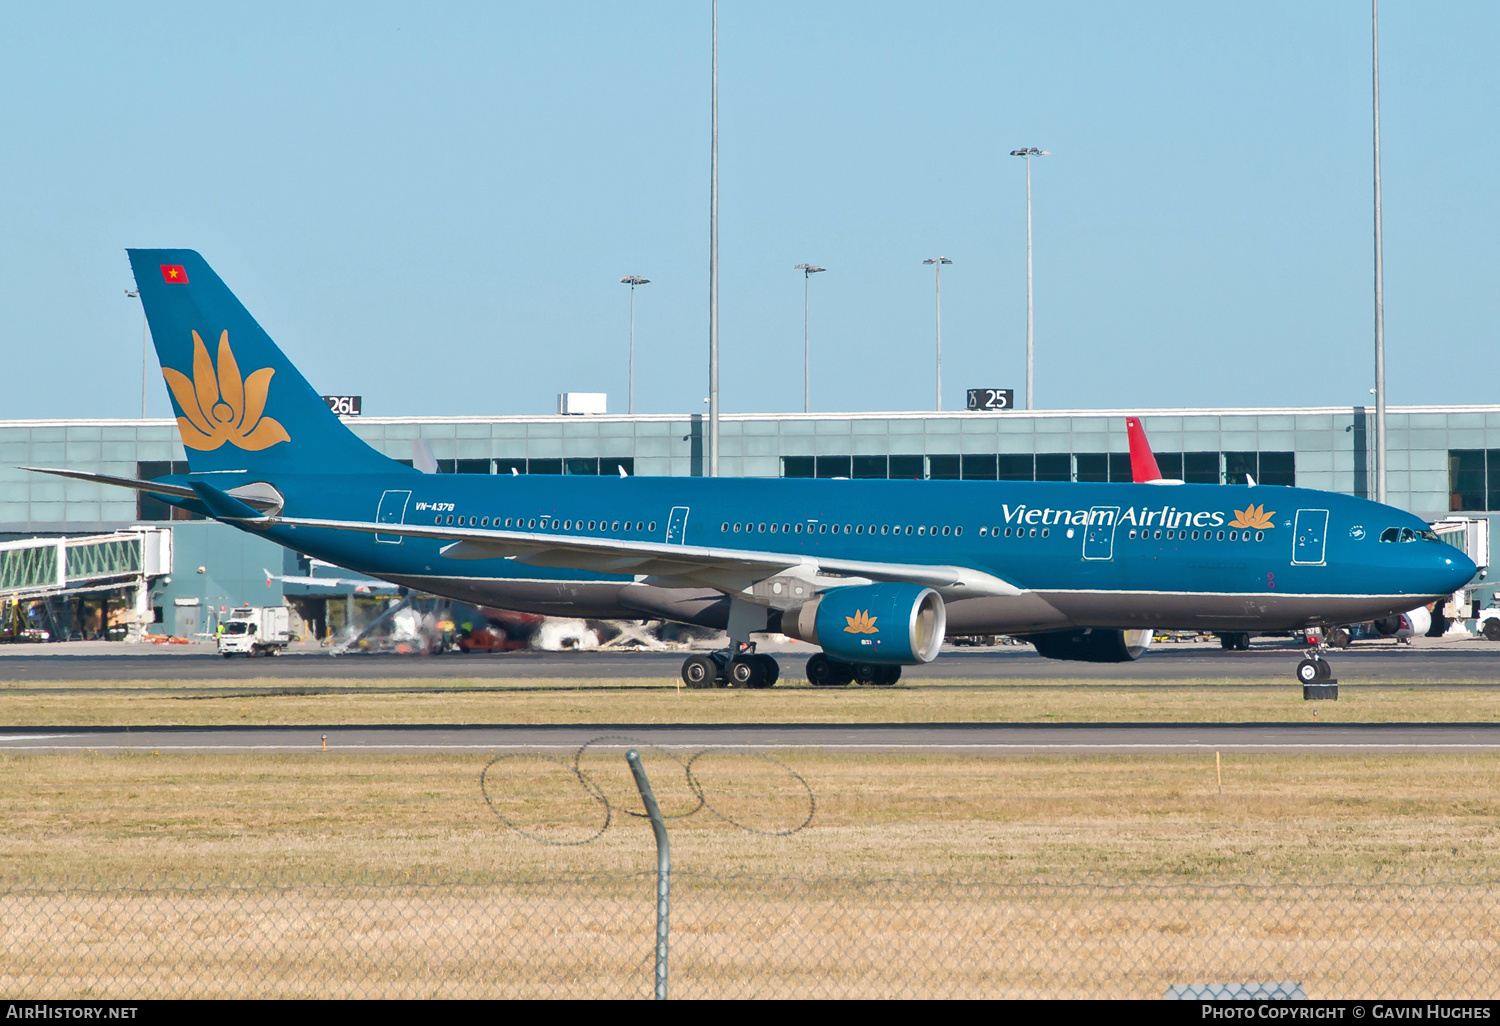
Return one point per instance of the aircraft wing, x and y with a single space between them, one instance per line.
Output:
728 570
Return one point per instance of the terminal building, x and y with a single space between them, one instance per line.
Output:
1441 461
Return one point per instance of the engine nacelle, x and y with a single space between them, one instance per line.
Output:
1407 625
1092 645
888 624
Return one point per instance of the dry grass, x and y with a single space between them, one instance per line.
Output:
1022 817
572 701
869 899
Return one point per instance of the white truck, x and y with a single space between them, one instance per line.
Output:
255 630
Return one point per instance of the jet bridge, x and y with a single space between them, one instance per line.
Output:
52 568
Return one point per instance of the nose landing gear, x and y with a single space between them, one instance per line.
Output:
1316 676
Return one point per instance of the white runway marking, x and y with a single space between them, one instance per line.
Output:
315 746
32 737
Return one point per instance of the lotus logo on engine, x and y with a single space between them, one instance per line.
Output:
861 623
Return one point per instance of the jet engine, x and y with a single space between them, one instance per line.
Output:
884 624
1092 645
1407 625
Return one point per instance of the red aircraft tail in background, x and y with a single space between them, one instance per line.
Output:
1143 468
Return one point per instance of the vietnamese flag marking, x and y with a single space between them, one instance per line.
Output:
174 274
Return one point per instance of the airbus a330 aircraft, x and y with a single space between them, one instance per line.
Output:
874 572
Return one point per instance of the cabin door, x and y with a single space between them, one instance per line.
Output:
677 526
392 510
1309 535
1099 536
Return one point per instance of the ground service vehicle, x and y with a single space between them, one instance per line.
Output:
255 630
876 572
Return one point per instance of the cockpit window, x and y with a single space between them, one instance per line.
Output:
1390 534
1428 536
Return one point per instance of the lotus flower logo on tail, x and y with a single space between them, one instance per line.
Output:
1254 517
861 623
220 406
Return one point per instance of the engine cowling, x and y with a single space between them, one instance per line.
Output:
887 624
1092 645
1413 624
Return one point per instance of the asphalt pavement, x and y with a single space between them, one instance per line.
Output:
994 738
1435 661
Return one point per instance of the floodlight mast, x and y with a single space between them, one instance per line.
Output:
808 270
1380 455
937 266
1028 152
632 280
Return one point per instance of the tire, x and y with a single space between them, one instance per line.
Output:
823 672
1325 671
1338 638
1307 671
772 670
1242 642
1226 641
747 672
878 676
226 655
699 671
1491 629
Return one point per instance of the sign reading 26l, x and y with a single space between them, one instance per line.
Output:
993 400
344 405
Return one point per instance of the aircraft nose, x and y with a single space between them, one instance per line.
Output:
1454 569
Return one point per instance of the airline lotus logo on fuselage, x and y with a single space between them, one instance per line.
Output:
861 623
1254 517
220 406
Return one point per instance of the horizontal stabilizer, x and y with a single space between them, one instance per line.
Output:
225 506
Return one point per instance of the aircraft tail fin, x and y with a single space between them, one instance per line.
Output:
239 402
1143 468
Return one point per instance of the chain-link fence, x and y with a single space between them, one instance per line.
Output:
747 937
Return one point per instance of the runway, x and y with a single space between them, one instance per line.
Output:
992 738
1268 664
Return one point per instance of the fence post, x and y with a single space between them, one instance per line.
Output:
663 869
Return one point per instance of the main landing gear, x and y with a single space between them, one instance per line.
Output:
743 669
823 672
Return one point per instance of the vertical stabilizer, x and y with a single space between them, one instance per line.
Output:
240 404
1143 468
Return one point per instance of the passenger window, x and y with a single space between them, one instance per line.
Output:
797 528
736 528
921 530
945 531
822 528
835 528
1234 535
438 520
724 527
982 531
1195 536
762 529
651 526
1007 532
859 528
1157 534
1046 531
958 531
484 521
614 525
1260 536
1033 532
884 528
786 528
591 525
1132 534
450 520
773 528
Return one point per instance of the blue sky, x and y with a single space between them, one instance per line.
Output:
432 205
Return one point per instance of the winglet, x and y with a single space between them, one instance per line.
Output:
1143 468
224 506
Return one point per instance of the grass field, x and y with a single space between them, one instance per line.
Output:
573 701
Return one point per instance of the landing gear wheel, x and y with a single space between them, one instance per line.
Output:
880 676
1325 669
892 675
747 672
1226 641
1310 671
699 671
1242 642
823 672
1338 638
772 670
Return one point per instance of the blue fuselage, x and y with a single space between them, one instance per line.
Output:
1101 555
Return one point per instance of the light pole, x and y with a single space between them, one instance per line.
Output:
713 265
145 347
1380 492
1029 152
808 270
937 266
632 280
